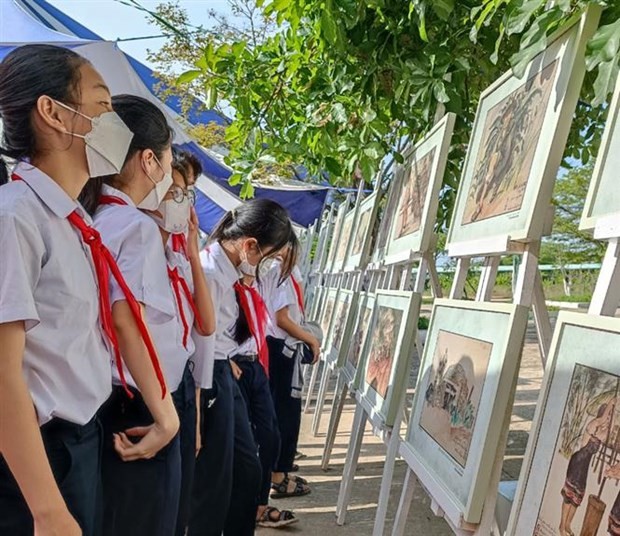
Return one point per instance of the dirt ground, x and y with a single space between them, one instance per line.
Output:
316 511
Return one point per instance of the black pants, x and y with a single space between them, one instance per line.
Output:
288 408
185 401
256 392
139 497
228 472
74 453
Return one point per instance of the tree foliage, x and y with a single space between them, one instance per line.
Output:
339 85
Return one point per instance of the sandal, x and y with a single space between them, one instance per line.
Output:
294 468
300 455
281 490
296 478
282 518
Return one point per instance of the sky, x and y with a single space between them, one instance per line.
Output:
112 20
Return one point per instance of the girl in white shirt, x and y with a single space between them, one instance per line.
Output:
54 325
228 471
141 497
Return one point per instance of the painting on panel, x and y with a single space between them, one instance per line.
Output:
582 492
327 314
383 349
411 204
340 319
355 349
360 234
509 140
453 394
345 238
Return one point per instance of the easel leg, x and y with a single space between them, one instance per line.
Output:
607 292
350 466
541 318
404 504
387 478
334 420
320 399
315 372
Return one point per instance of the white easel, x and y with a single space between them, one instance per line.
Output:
606 296
528 292
396 276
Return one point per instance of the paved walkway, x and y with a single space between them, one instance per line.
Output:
317 510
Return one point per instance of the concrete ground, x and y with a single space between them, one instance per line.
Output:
316 511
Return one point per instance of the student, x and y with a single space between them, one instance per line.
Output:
250 365
54 325
176 217
228 473
284 299
142 497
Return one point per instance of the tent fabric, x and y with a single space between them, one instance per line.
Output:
28 21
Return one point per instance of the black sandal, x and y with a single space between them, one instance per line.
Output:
294 468
283 518
280 491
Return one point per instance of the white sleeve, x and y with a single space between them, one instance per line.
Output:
284 296
22 256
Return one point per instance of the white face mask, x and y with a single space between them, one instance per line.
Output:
174 216
246 268
106 144
264 267
155 197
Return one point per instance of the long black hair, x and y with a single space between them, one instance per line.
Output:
27 73
264 220
150 131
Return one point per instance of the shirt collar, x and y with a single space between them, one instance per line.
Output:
229 273
47 190
106 189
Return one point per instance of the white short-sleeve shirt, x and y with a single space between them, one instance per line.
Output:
48 281
136 243
278 296
221 277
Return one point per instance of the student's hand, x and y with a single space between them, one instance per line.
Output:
236 370
198 441
192 235
153 438
315 346
60 523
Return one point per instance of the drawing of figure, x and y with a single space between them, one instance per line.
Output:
573 492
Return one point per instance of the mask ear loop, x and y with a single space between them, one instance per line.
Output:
63 105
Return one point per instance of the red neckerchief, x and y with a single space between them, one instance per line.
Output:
104 263
258 323
179 284
300 300
179 243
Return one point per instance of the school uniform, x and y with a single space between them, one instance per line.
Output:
141 497
284 366
228 472
256 391
49 283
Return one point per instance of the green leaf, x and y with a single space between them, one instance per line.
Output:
519 17
339 114
328 27
235 179
247 190
439 90
605 80
399 158
333 167
188 76
604 45
443 8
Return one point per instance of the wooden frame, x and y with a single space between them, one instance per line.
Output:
334 343
457 471
387 214
333 246
424 168
583 346
359 249
345 241
496 211
602 207
383 397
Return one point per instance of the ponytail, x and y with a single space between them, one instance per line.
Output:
89 197
4 172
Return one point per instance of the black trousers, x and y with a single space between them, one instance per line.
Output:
228 471
256 392
140 498
74 453
288 408
185 401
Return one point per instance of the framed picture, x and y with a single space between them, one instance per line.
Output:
362 235
386 214
351 351
416 209
336 235
603 201
344 243
324 238
516 147
325 314
570 480
341 326
317 301
467 375
388 352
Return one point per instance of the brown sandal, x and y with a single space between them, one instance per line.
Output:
280 491
282 518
